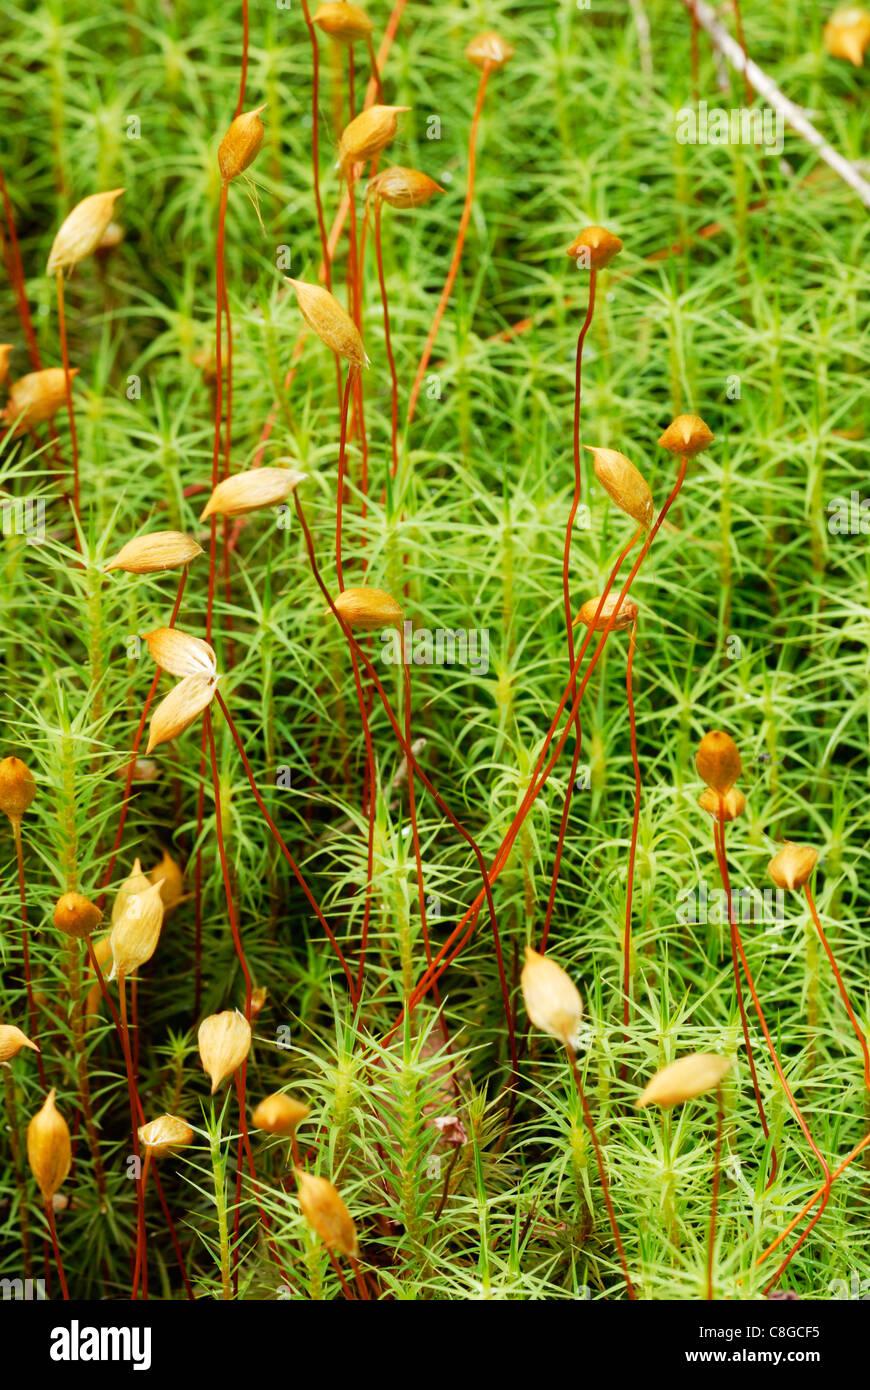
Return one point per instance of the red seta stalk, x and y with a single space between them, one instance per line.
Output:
15 269
73 434
342 466
137 740
635 825
280 842
714 1198
220 299
826 1172
744 1022
240 1081
354 286
695 55
741 39
796 1220
227 551
602 1172
315 145
337 226
460 242
116 1020
49 1216
243 75
225 867
415 829
416 770
370 800
240 954
146 1168
463 930
856 1027
25 946
141 1233
568 607
394 380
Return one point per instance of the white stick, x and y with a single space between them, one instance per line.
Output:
774 97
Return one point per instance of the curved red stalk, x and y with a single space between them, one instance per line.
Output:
220 298
856 1027
227 470
796 1220
602 1172
415 829
741 39
536 786
568 608
146 1168
110 1004
137 740
49 1216
575 759
714 1198
225 867
354 290
15 268
416 770
326 267
457 250
25 945
243 963
141 1233
394 381
312 901
744 1022
695 56
335 232
243 77
73 434
635 824
342 465
376 76
826 1172
370 800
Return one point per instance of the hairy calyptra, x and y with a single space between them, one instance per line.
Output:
252 491
241 144
82 231
150 554
552 999
165 1134
178 710
368 608
624 483
224 1043
326 1214
332 324
279 1114
136 931
35 398
368 133
682 1080
12 1040
49 1151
